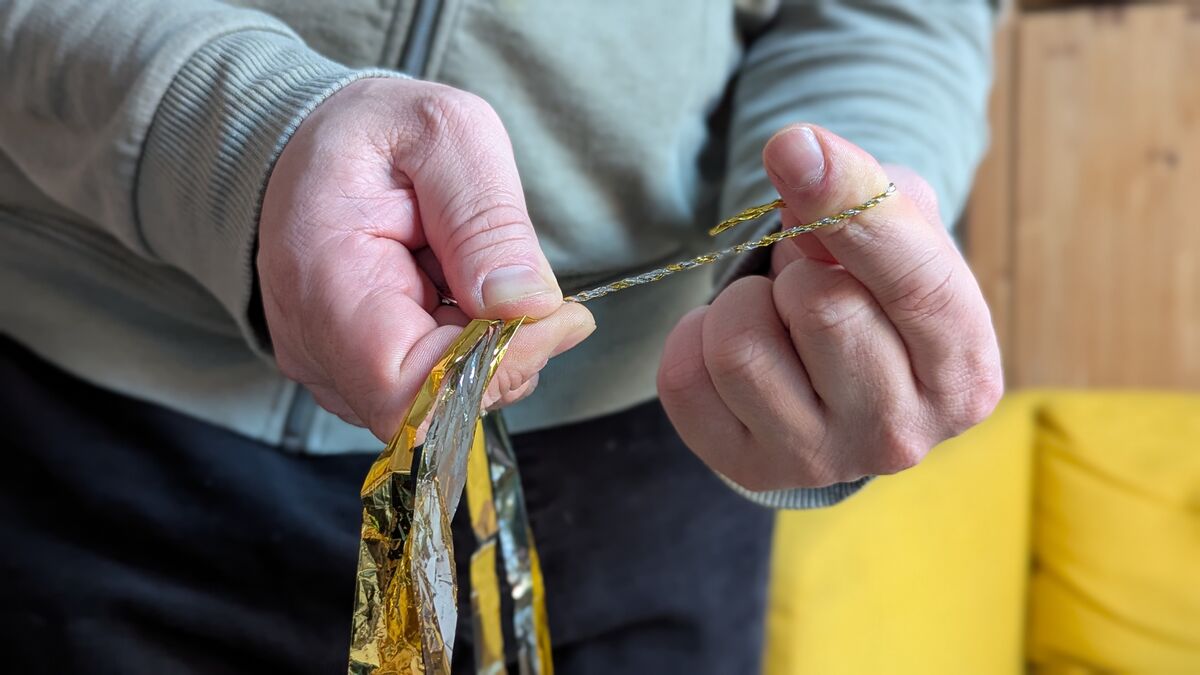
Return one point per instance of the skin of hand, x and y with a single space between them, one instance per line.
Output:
867 344
390 194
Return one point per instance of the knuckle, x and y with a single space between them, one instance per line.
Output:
512 378
899 449
919 300
922 194
972 392
488 221
744 354
981 398
677 378
836 310
916 189
526 389
507 393
916 184
451 112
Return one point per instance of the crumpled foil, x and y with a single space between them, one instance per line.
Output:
405 611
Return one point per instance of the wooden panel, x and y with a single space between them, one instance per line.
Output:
1060 4
1107 228
988 222
1051 4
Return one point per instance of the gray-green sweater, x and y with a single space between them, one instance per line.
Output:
136 137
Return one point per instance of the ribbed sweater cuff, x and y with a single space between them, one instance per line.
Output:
800 498
215 138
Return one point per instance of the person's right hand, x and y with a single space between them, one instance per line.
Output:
391 193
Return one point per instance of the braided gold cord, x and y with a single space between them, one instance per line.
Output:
709 258
752 213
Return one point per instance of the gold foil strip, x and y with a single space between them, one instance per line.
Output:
522 569
485 585
498 515
709 258
405 603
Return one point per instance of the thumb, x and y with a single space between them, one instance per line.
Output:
474 216
819 173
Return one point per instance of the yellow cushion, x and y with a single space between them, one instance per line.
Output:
1116 586
923 572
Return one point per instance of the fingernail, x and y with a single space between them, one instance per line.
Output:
806 158
510 284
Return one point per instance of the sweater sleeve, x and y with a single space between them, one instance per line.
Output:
158 122
908 82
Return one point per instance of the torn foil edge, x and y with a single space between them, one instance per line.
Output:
405 612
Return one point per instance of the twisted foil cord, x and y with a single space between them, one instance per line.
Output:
500 521
487 624
522 569
752 213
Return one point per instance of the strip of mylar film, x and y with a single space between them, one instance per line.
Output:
498 517
405 610
485 585
522 569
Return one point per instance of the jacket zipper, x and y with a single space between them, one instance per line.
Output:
414 60
299 421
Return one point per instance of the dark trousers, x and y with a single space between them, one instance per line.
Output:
137 540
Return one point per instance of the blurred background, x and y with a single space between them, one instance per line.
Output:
1062 536
1083 228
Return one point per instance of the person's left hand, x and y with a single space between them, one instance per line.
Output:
869 343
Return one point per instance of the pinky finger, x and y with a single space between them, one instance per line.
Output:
695 408
496 399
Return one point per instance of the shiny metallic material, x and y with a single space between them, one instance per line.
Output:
405 612
708 258
522 569
498 516
752 213
485 585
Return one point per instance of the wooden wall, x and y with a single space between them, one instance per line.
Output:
1084 228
